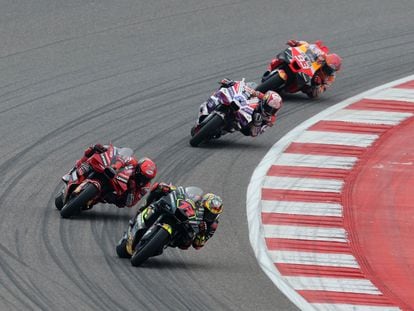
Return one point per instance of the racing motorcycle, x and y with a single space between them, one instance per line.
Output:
87 185
296 71
176 218
226 111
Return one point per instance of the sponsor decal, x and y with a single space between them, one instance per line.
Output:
121 178
167 227
104 159
303 61
187 207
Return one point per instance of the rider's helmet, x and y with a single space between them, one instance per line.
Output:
145 171
213 206
271 103
333 61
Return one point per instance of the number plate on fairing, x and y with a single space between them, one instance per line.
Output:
303 61
187 207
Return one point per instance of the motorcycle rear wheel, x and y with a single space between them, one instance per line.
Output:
207 130
74 206
273 83
151 247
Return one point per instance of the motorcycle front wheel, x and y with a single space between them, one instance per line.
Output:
151 246
207 131
121 250
59 199
75 204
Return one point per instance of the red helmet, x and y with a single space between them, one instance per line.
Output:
145 171
333 61
271 103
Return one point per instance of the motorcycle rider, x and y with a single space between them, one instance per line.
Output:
208 209
325 76
138 184
264 113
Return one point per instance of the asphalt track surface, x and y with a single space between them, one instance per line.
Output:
74 72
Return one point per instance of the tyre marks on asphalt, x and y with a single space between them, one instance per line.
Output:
300 205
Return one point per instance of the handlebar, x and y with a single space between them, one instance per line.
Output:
255 93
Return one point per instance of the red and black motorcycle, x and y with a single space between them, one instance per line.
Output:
296 68
88 184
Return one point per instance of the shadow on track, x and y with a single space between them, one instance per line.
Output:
228 143
100 215
165 263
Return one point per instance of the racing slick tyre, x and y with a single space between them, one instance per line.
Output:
59 200
273 83
207 131
151 246
121 249
75 204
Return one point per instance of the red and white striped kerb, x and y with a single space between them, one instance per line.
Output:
295 202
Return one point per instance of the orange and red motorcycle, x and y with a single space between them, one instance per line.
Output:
292 70
89 183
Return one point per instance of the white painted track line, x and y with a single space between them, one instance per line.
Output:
302 208
294 159
317 259
303 184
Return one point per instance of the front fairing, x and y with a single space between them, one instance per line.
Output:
141 230
99 161
302 63
244 115
72 181
178 216
71 176
120 182
139 226
222 102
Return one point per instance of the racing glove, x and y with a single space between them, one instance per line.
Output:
293 43
99 148
157 191
164 187
226 82
89 152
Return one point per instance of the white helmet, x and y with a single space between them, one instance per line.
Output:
271 103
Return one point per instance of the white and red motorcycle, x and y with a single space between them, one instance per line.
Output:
229 109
